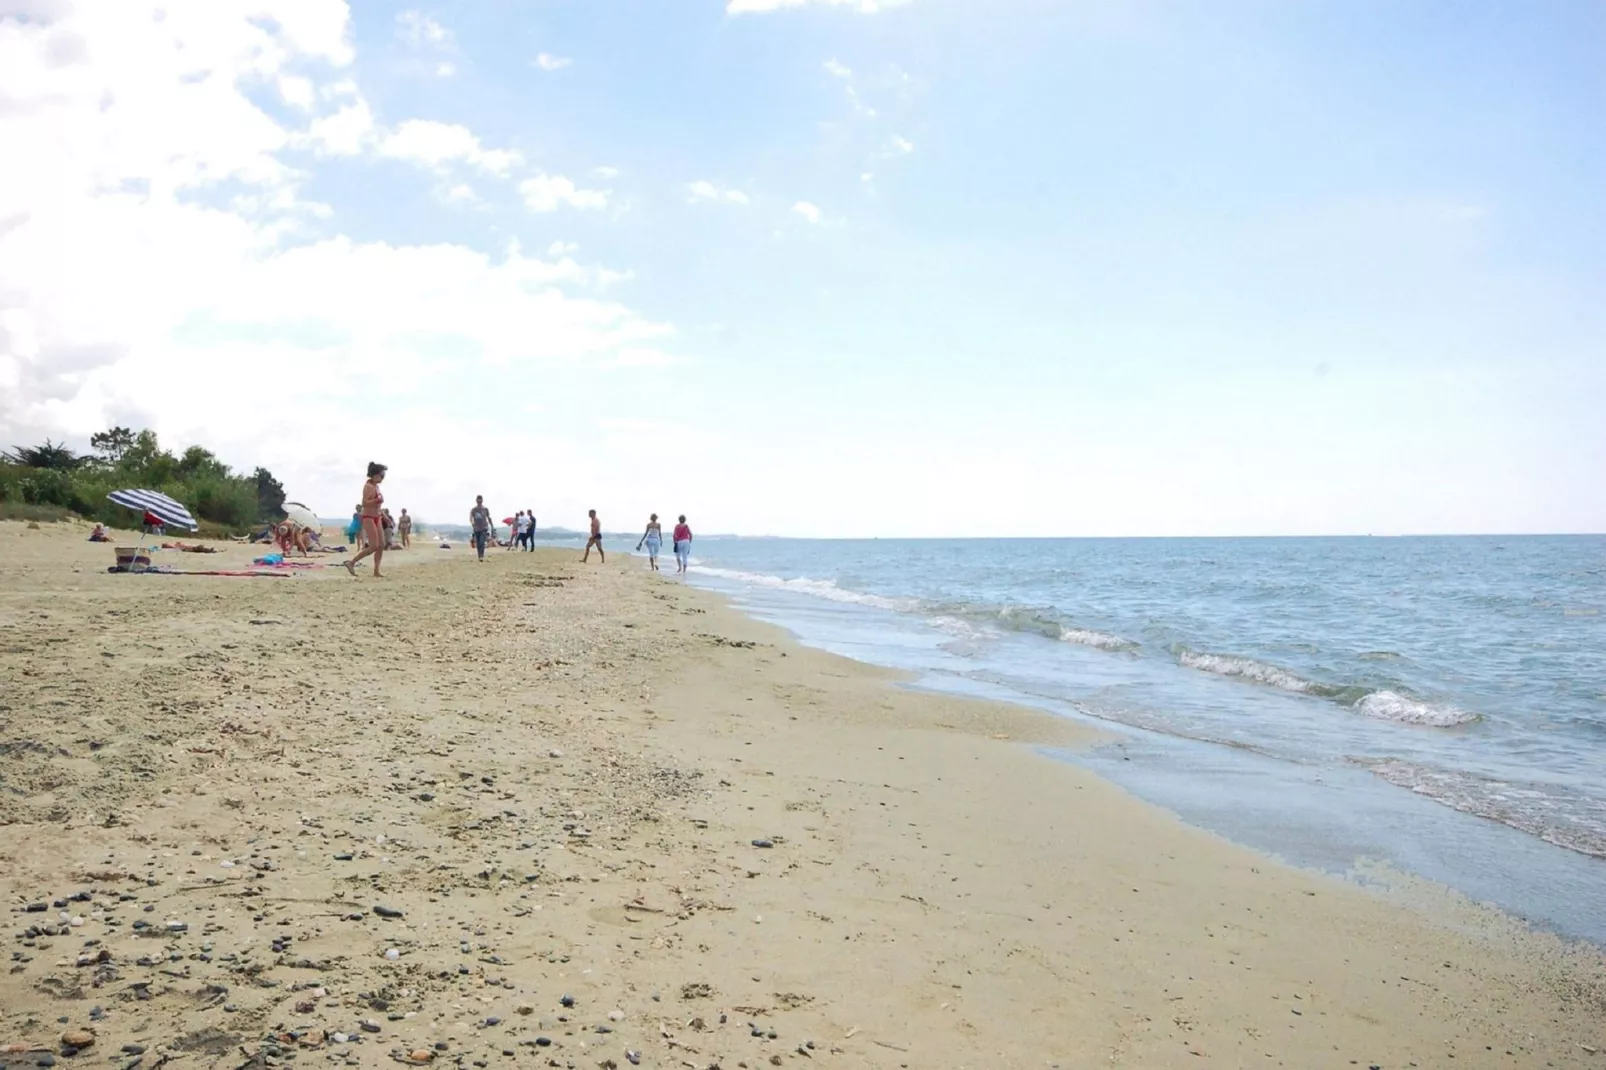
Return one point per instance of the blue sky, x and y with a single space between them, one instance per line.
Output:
936 268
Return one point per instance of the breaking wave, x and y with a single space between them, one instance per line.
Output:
1050 625
1554 814
1393 706
968 620
803 585
971 622
1381 704
1247 669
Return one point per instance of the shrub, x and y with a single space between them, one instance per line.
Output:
51 477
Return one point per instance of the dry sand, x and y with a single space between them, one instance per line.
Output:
564 778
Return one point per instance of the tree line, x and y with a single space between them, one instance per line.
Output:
52 478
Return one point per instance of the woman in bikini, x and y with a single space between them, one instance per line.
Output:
653 537
373 523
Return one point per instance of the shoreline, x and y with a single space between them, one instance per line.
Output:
558 774
1267 766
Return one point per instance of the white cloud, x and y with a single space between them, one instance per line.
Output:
460 194
808 211
644 357
899 146
605 173
445 70
547 193
297 91
345 133
752 7
562 248
421 31
431 144
841 71
157 258
548 62
703 190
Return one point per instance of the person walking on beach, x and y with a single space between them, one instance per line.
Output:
373 524
479 519
653 537
595 540
529 528
682 545
404 527
354 529
515 531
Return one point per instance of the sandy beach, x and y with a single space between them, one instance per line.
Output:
537 813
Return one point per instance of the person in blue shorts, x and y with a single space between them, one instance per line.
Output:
652 538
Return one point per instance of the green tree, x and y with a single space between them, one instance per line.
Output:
201 462
53 455
146 461
112 444
270 496
52 479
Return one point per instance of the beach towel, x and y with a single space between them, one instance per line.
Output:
164 570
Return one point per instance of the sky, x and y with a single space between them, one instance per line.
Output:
827 267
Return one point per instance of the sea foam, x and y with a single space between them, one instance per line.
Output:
1555 814
804 585
1393 706
1248 669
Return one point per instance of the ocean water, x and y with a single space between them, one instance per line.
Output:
1437 704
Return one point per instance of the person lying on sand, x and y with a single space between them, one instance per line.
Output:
189 548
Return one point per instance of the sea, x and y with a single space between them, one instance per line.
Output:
1427 706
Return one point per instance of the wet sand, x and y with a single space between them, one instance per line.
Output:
600 818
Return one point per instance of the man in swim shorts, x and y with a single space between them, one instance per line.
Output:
595 539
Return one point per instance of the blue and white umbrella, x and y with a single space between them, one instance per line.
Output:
171 513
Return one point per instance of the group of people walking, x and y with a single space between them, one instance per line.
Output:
372 527
521 532
653 540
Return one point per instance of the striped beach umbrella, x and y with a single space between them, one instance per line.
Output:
165 509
